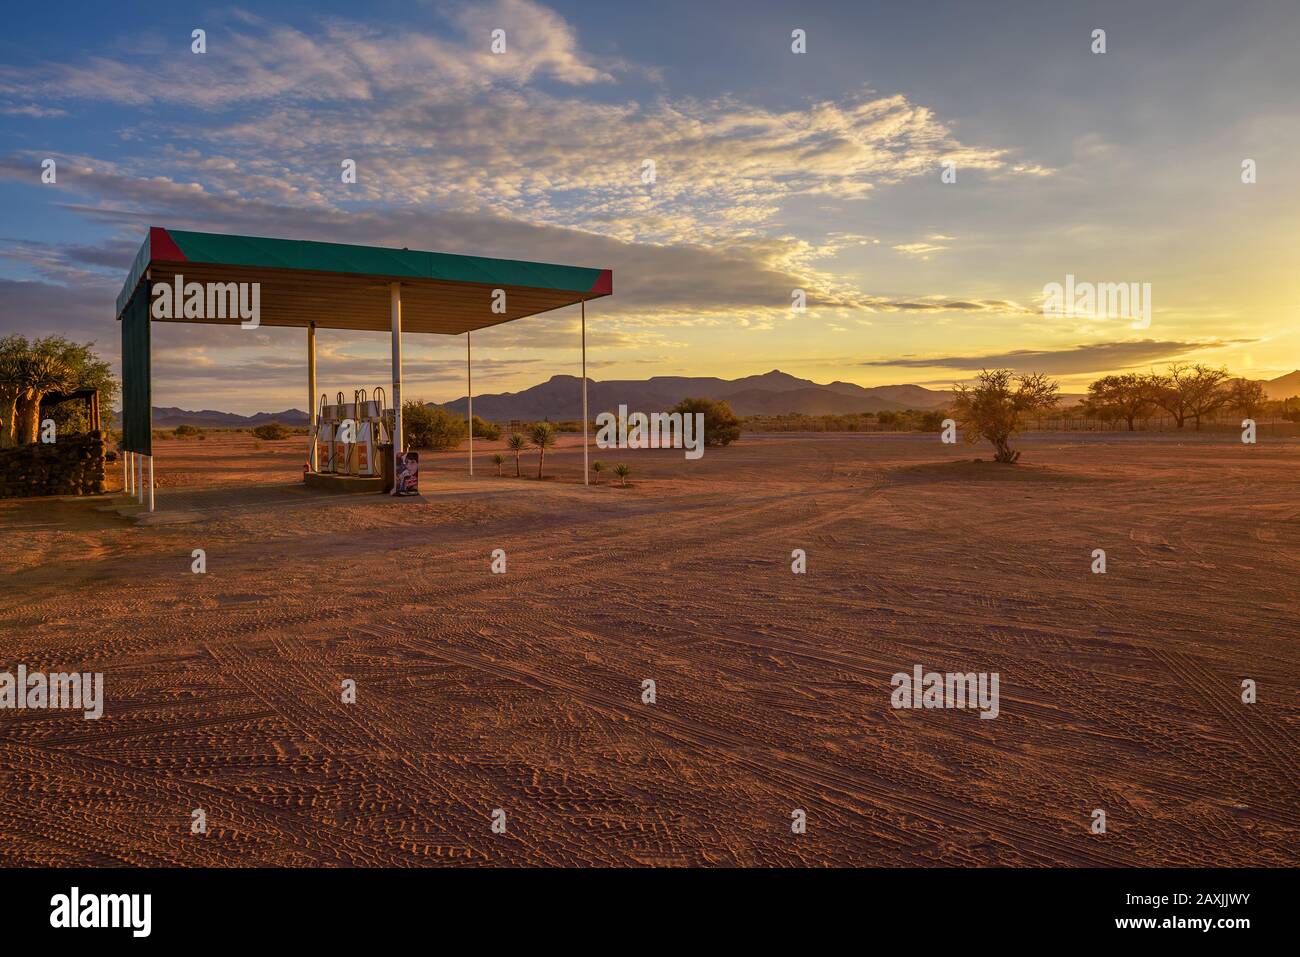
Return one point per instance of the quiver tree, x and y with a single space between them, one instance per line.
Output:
31 371
12 351
41 374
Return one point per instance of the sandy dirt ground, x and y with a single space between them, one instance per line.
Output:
523 691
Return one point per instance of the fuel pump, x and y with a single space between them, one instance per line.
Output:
340 459
324 438
364 448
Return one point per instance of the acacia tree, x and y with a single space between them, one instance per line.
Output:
1207 391
1189 391
1169 393
1247 397
1127 396
994 409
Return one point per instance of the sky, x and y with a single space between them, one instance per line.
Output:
774 171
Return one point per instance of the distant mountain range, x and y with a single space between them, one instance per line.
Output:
772 393
560 397
1283 387
170 417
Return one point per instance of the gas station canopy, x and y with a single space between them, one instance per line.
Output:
330 286
338 286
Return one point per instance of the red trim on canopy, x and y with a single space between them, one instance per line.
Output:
162 248
604 284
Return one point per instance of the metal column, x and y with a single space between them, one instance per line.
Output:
311 395
586 472
395 298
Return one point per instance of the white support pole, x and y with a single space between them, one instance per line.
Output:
126 472
151 483
586 470
311 395
395 299
469 391
139 479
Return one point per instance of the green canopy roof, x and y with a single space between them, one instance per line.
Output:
340 286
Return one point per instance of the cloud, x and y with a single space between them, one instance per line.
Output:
1099 357
921 250
82 311
250 60
676 283
436 120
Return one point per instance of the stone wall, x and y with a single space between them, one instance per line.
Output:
74 465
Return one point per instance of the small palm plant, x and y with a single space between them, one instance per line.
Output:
517 444
597 467
498 460
622 471
543 438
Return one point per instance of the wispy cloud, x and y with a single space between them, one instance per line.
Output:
1095 357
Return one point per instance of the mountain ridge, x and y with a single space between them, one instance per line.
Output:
560 397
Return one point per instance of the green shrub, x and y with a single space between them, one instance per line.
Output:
272 431
184 430
486 430
721 427
431 427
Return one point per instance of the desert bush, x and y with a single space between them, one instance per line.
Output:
597 467
272 431
721 427
486 430
182 431
622 471
498 460
431 427
799 422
